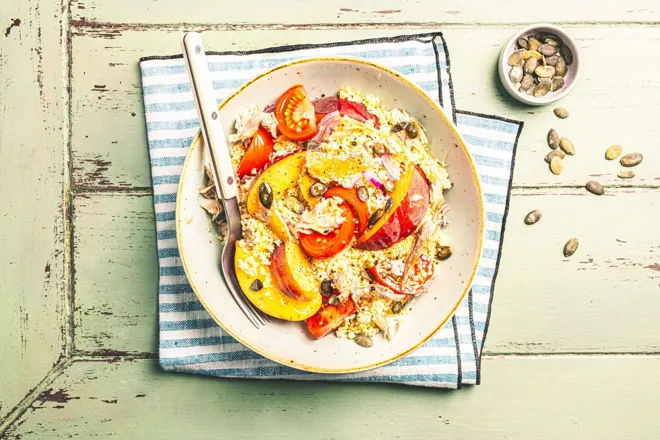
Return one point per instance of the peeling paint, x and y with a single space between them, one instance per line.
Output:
109 401
15 22
60 396
388 11
655 266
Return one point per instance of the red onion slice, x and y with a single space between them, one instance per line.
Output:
350 184
391 166
371 176
269 108
328 122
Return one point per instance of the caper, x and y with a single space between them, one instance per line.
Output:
398 127
379 149
256 285
389 186
363 193
266 195
326 288
333 300
375 217
444 252
317 189
397 307
412 131
388 204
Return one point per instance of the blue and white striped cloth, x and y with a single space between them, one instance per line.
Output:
190 341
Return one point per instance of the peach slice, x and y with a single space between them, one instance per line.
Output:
293 273
281 175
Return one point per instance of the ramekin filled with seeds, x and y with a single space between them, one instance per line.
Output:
540 64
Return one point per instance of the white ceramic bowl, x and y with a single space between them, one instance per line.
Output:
288 342
570 79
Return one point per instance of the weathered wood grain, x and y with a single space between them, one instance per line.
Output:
109 139
599 300
32 244
340 12
521 398
116 274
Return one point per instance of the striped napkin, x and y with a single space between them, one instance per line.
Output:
190 341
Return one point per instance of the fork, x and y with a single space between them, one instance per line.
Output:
223 172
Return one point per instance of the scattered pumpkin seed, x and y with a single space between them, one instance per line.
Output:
256 285
613 152
444 252
543 87
388 204
516 58
294 205
363 193
532 54
556 165
566 145
412 130
317 189
551 40
363 340
397 307
266 195
566 54
570 247
375 217
561 68
530 65
399 126
561 113
553 139
523 43
551 61
626 174
326 288
527 82
631 159
517 86
544 71
558 153
333 300
533 217
379 149
534 44
516 74
311 145
557 83
531 90
595 188
389 186
548 49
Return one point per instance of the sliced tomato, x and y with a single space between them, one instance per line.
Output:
318 245
257 153
359 207
329 317
295 114
422 272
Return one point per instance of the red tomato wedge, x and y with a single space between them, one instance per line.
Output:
329 317
422 272
359 207
295 114
257 153
318 245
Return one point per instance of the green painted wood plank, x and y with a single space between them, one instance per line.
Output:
32 146
521 398
116 274
610 105
340 12
543 302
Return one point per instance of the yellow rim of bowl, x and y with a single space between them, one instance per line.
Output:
292 363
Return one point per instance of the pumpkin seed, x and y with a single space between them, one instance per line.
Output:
557 83
375 217
556 165
532 54
534 44
399 126
631 159
527 82
517 86
389 186
566 145
379 149
533 217
516 74
566 54
256 285
444 252
570 247
294 205
560 154
397 307
613 152
626 174
516 58
551 61
317 189
326 288
311 145
545 71
548 49
561 113
553 139
363 193
363 340
543 87
333 300
412 130
266 195
388 204
531 90
523 43
551 40
595 188
560 67
530 65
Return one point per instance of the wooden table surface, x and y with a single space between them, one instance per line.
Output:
573 350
